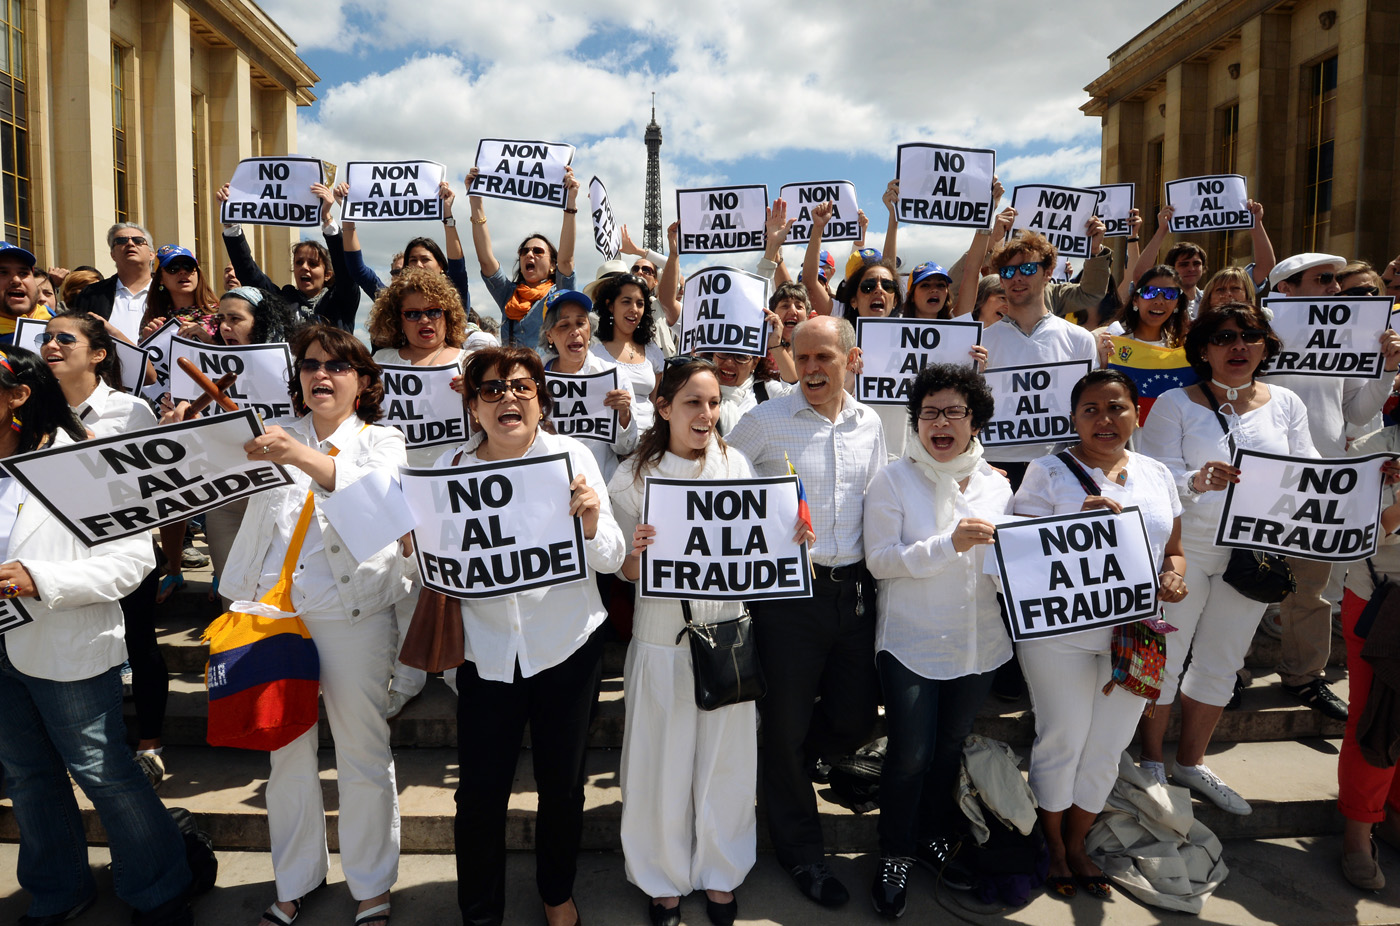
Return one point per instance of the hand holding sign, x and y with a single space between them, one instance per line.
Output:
584 505
14 576
972 532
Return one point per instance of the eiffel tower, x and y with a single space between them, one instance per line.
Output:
651 230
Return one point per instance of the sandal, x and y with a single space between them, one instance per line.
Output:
1062 885
170 583
374 916
276 917
1095 885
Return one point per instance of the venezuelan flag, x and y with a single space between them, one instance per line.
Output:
263 678
803 512
1155 369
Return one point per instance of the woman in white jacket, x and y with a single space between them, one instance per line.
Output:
61 690
346 606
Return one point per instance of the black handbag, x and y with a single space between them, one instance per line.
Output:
724 661
1255 574
1384 600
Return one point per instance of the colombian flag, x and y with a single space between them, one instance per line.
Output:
1154 369
263 677
803 512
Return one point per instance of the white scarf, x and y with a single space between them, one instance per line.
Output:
944 476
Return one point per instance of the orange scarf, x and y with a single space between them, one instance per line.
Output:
525 295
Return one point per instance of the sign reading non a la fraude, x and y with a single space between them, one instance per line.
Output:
1324 509
944 185
723 219
727 539
576 405
525 171
13 614
274 191
1074 572
1215 203
496 528
1060 213
393 191
724 312
1330 336
421 403
263 371
801 198
1032 403
607 237
894 350
111 487
1115 205
133 358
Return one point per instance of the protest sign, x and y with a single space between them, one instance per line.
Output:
1325 509
607 237
157 347
1329 335
894 350
274 191
1060 213
723 312
393 191
1213 203
13 614
715 220
725 540
1114 205
525 171
844 224
263 371
111 487
421 403
133 358
943 185
577 407
1069 573
1033 404
495 528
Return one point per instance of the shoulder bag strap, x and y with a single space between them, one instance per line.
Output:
1090 486
1224 425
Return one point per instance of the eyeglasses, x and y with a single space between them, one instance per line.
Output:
952 412
332 367
732 358
417 315
494 390
1029 269
868 286
121 240
1227 336
1361 291
1160 292
537 251
64 338
649 271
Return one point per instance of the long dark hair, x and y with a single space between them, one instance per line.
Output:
518 279
46 412
608 293
846 292
1174 328
657 439
341 345
98 338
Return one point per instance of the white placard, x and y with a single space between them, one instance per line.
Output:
1324 509
1117 202
718 220
607 236
724 539
157 347
844 224
393 191
525 171
13 614
263 371
133 358
111 487
944 185
1069 573
1032 403
368 514
1214 203
576 404
421 402
894 350
497 528
723 311
1329 336
1060 213
274 191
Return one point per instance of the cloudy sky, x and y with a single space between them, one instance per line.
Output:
772 92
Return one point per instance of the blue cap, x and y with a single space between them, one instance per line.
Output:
560 296
925 270
170 252
14 250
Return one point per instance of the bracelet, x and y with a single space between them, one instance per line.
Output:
476 221
571 211
786 345
1134 238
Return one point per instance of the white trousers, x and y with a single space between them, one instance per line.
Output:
355 663
1215 624
1079 731
689 780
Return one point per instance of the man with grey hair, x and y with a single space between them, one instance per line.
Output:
121 299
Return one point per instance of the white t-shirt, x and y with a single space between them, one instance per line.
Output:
641 378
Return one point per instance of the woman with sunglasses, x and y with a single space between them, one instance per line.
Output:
1359 278
180 291
538 268
1154 317
531 657
345 604
422 253
1226 346
626 336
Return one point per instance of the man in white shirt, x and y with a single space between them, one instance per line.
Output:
820 652
121 299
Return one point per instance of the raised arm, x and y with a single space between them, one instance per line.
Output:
816 290
776 227
566 231
340 305
974 258
891 201
369 282
1132 251
240 255
670 276
481 238
1148 258
1264 259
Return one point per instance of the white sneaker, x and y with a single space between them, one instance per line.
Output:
1156 770
152 766
1207 784
398 700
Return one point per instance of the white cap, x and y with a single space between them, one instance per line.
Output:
1300 262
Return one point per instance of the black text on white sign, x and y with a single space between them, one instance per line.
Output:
894 350
274 191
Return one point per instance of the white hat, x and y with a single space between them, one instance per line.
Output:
607 268
1300 262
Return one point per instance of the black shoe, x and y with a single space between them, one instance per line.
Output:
940 856
819 770
1237 696
53 919
890 889
1316 695
722 914
818 883
661 916
176 912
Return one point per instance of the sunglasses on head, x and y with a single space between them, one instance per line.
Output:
121 240
494 390
417 315
537 251
332 367
1160 292
62 337
868 286
1028 269
1227 336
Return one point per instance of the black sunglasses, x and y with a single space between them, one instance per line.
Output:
332 367
417 315
868 286
1227 336
492 391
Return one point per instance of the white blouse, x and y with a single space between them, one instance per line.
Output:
641 378
107 412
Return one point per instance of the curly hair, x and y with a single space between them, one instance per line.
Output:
959 377
1210 320
273 319
340 345
1027 245
386 318
608 293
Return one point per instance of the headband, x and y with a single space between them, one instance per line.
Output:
249 294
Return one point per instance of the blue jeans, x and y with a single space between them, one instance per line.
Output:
48 729
926 721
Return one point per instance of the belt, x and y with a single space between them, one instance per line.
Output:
839 575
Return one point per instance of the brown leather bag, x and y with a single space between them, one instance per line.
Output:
434 642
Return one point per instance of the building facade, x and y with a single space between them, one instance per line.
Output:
139 110
1302 97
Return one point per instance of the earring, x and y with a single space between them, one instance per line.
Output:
357 403
15 423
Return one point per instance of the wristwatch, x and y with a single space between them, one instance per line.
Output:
449 221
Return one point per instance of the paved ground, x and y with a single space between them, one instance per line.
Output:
1290 882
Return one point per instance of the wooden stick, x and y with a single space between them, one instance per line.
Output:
212 391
